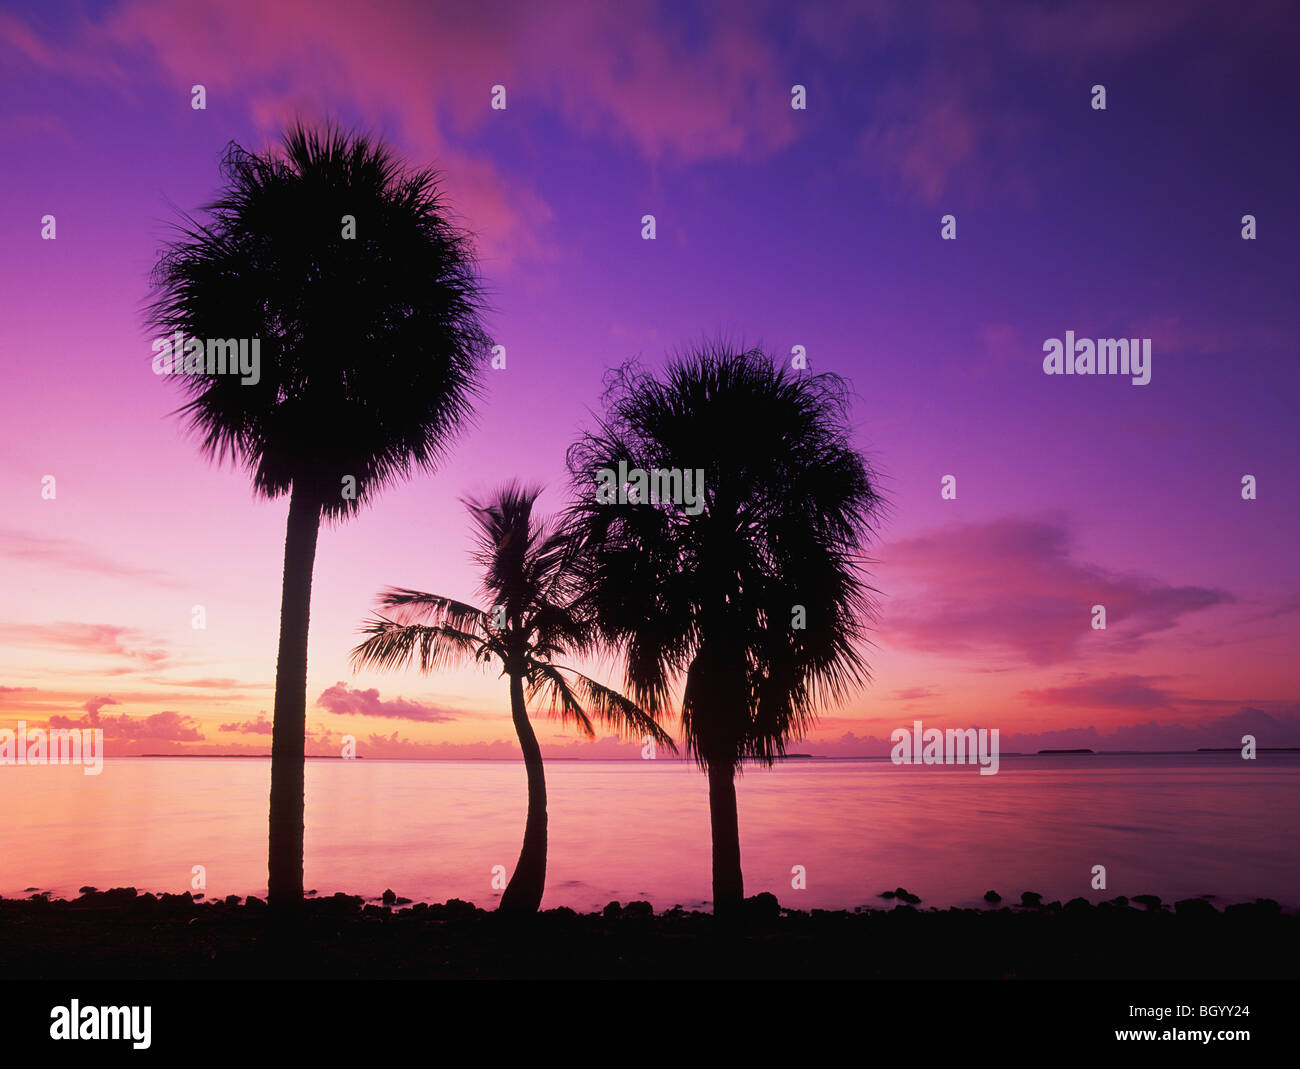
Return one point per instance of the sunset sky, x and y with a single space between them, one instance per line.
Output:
776 227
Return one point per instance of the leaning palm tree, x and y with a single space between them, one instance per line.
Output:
365 304
749 589
528 578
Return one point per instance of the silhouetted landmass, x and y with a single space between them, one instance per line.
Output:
119 934
1041 752
1258 749
261 756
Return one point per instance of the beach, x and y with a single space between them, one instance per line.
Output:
120 934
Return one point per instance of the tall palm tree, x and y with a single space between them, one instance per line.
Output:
370 349
754 594
527 577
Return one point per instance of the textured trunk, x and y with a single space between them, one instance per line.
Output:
289 728
728 883
524 892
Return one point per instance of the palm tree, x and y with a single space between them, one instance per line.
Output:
370 349
754 590
527 576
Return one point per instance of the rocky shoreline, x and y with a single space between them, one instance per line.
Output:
123 934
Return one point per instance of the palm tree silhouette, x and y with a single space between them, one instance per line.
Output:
527 575
759 599
367 304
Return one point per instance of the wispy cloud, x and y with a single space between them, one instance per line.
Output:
1112 692
219 683
17 36
103 639
668 91
1013 586
947 128
343 700
913 694
397 746
71 555
946 125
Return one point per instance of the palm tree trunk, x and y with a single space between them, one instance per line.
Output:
289 726
728 883
524 892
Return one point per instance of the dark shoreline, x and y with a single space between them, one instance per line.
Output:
120 934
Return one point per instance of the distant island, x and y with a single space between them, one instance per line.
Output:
1258 749
260 756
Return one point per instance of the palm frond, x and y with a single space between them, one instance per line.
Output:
371 348
564 705
418 605
698 595
608 707
394 645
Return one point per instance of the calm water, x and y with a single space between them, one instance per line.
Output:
1176 826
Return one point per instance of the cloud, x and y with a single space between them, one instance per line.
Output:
94 705
105 639
377 745
31 126
913 694
1076 32
1282 729
672 90
931 132
260 726
74 556
1003 347
399 65
346 702
1113 692
1012 586
20 38
1278 729
1283 605
677 93
943 128
221 683
167 726
609 748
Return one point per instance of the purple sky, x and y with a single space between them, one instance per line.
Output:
775 226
